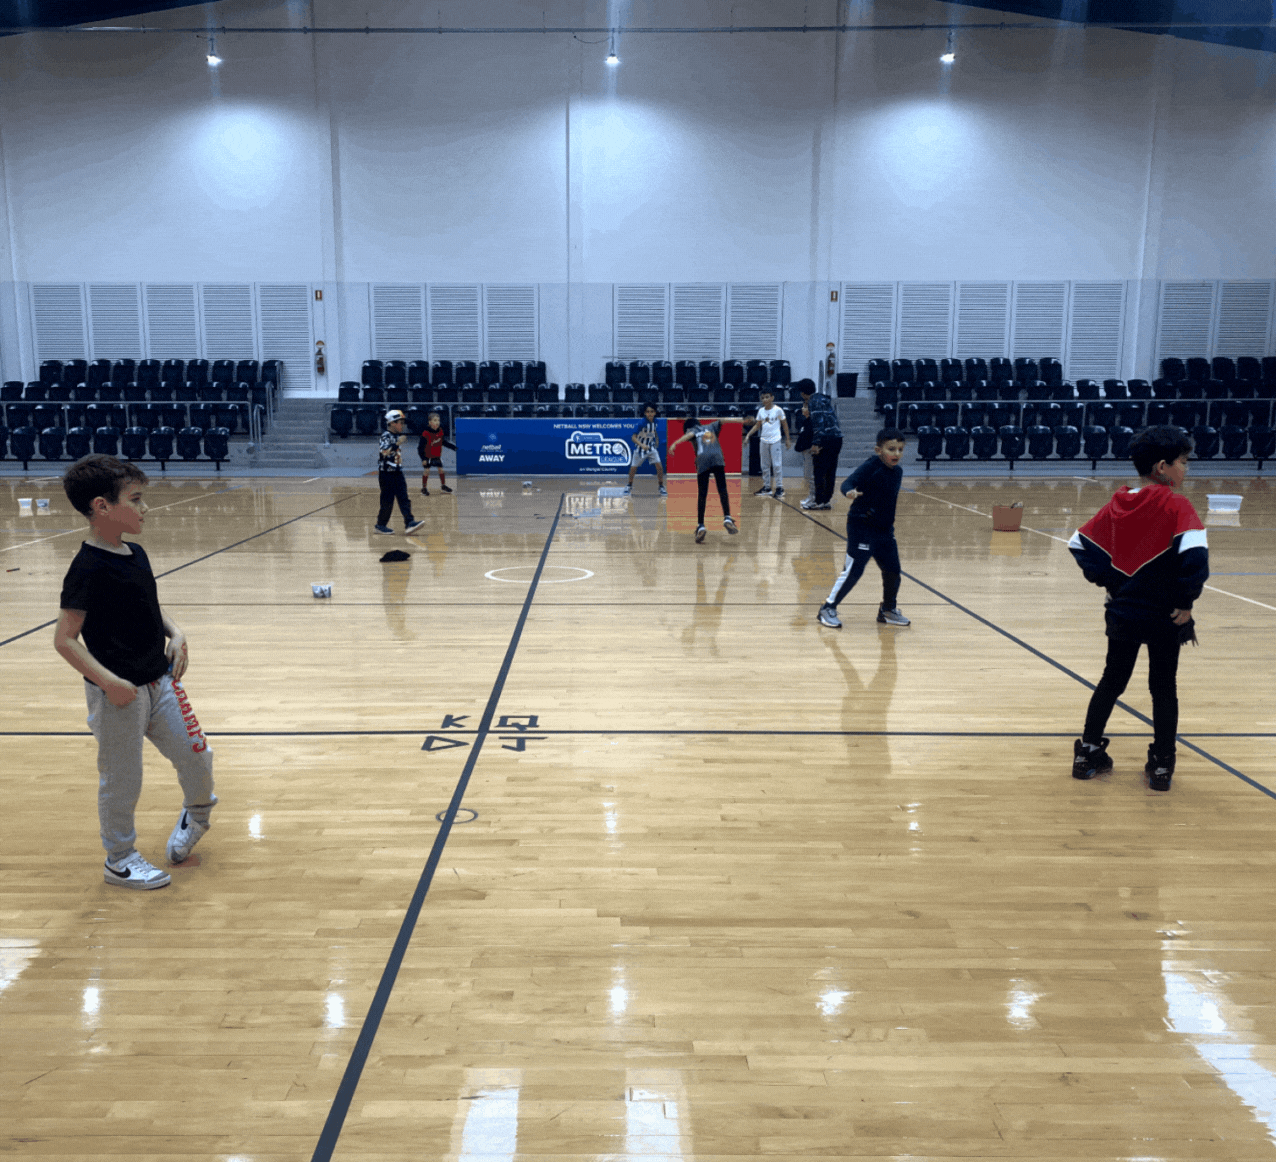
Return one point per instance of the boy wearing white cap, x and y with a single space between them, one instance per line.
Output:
390 476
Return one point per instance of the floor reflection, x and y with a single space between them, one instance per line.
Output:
1201 1013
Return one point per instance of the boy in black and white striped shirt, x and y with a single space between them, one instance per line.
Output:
647 447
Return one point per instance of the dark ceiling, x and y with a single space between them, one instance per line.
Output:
1242 23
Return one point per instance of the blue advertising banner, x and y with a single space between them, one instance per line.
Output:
547 447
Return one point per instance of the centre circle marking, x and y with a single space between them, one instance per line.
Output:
463 815
584 574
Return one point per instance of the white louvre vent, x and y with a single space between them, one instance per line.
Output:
983 320
510 323
287 331
1244 318
1096 322
172 323
640 321
868 324
925 319
115 320
455 328
1185 320
1040 310
57 313
754 320
398 321
698 317
227 310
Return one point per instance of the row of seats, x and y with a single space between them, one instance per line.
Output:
368 419
1022 371
153 373
187 392
134 443
1025 371
931 391
1093 443
350 392
690 373
232 415
910 417
1199 369
392 373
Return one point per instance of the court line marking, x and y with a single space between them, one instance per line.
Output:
1051 661
491 574
1064 541
657 733
340 1107
197 560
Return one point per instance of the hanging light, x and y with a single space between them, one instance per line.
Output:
949 56
213 59
612 58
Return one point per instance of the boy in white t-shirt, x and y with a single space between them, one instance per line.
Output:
775 438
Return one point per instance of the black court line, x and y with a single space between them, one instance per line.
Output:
340 1107
197 560
213 734
1056 664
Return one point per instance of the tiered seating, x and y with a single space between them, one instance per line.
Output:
513 388
141 409
954 410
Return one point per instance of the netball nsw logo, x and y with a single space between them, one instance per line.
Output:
596 447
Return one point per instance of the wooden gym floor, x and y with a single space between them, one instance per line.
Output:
570 839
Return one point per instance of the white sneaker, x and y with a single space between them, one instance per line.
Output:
891 617
628 490
808 503
186 834
135 872
664 491
416 524
729 525
828 616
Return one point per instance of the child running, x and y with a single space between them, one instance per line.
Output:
430 448
709 462
647 447
870 529
1147 548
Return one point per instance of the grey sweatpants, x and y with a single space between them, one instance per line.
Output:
772 457
161 712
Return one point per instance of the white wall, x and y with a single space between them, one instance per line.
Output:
809 160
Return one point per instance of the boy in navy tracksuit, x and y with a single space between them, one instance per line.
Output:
1147 548
870 529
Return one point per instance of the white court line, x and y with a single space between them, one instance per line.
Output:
1063 541
68 532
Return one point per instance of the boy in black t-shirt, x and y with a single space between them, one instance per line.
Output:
870 529
132 679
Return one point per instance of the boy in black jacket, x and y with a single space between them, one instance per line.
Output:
870 529
1147 548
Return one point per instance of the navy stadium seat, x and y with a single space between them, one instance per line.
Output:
106 441
22 443
956 442
983 438
217 445
1096 442
188 443
51 441
1012 443
1040 441
160 444
930 442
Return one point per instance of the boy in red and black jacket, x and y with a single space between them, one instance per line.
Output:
1147 548
430 448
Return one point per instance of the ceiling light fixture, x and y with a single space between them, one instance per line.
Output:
949 56
213 59
612 58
